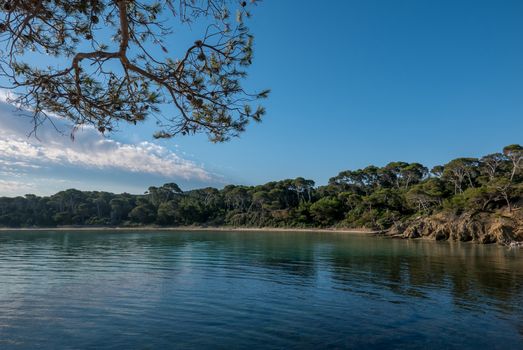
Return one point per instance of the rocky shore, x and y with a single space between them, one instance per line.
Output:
502 227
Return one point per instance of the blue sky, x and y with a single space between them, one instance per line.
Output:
356 83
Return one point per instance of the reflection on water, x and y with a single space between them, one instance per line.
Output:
105 290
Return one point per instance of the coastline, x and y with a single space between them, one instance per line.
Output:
391 233
193 229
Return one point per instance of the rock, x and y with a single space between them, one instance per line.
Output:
481 227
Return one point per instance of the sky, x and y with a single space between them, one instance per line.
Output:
353 83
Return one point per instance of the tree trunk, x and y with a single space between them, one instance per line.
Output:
508 202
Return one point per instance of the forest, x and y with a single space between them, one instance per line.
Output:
373 198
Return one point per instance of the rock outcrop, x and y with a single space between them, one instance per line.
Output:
482 227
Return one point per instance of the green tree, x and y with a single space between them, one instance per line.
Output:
515 154
119 209
461 172
303 188
491 164
371 197
166 214
143 214
426 195
412 174
190 211
326 211
504 189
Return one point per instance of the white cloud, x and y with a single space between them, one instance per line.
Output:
15 188
145 157
21 154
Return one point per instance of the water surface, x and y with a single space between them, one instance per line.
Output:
156 290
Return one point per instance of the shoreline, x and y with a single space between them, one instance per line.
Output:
188 229
193 229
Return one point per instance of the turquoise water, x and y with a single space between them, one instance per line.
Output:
227 290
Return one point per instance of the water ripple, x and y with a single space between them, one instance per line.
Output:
104 290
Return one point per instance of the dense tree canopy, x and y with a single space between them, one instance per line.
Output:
111 61
372 197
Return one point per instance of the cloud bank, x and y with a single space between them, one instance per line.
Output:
50 151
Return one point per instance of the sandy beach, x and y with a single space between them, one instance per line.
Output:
191 228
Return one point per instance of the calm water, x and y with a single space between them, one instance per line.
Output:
105 290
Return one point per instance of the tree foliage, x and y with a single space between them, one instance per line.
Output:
111 61
372 197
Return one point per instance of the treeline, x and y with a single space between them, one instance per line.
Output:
372 197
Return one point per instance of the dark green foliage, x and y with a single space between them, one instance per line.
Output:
372 197
326 211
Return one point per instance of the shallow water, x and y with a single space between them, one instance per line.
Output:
156 290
